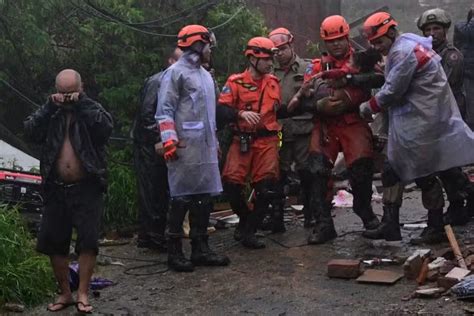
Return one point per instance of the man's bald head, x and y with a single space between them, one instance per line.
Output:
68 81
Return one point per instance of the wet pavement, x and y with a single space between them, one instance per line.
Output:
286 278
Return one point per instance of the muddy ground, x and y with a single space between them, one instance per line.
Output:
286 278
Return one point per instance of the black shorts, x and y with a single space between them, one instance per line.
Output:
78 205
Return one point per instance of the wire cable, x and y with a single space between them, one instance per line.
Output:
20 93
228 20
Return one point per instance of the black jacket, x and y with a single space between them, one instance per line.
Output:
144 127
89 130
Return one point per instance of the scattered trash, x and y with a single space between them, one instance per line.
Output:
378 261
343 199
430 292
96 283
436 263
415 226
13 307
465 288
106 261
113 242
379 277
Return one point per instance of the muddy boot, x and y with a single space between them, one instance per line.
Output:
238 231
278 220
239 206
360 178
434 233
390 226
457 214
249 240
202 255
323 229
176 259
152 241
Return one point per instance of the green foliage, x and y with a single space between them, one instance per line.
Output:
25 277
121 202
99 38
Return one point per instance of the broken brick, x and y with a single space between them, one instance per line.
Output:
344 268
412 266
446 282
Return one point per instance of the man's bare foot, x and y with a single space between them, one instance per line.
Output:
82 304
62 302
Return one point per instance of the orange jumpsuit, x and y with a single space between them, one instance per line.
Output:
347 132
242 93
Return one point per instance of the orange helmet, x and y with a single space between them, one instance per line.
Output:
190 34
280 36
260 47
378 24
334 26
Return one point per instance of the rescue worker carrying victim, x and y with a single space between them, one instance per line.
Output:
425 125
297 129
250 100
186 117
338 127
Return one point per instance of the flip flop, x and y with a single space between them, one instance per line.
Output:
83 306
62 305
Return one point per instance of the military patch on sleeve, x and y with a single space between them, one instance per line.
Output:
309 69
226 89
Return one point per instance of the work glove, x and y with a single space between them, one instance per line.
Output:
61 98
169 148
365 111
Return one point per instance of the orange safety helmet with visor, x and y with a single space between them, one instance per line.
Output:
377 25
333 27
191 34
280 36
260 47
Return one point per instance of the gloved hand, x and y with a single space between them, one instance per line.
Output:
365 111
169 148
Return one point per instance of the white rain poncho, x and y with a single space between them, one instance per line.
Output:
186 111
426 131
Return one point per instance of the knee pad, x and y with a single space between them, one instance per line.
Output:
389 176
319 165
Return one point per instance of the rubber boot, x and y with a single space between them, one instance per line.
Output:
202 255
305 178
324 229
434 233
176 259
239 206
278 220
249 240
390 226
360 177
457 214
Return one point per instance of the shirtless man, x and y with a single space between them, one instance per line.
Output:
72 130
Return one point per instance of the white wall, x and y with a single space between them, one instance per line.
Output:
10 156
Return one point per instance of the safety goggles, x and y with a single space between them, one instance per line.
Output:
205 36
371 31
259 50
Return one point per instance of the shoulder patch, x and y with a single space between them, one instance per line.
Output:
226 90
